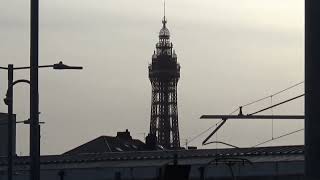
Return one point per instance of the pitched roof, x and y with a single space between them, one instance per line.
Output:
104 144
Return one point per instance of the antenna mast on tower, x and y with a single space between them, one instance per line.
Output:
164 8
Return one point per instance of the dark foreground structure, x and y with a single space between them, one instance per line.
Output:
265 163
4 134
312 88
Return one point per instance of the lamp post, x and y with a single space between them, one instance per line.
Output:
10 125
9 102
34 91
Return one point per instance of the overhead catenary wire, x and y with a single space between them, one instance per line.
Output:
279 92
253 102
272 121
278 104
284 135
234 111
216 124
272 95
203 132
271 107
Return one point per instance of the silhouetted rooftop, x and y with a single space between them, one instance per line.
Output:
158 158
122 142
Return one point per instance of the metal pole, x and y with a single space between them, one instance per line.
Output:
10 121
202 170
34 97
312 89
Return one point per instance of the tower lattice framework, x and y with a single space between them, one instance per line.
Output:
164 73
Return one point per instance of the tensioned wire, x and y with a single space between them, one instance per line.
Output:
248 104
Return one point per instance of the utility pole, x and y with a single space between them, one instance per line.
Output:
10 121
312 89
34 92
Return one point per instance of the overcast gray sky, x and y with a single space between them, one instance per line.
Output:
231 52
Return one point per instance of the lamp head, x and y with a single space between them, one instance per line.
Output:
61 66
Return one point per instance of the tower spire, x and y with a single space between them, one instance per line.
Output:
164 21
164 8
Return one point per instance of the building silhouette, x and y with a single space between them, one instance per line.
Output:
260 163
4 134
164 73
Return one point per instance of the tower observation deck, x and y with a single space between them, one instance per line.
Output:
164 73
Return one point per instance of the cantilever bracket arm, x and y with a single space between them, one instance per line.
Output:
214 131
226 117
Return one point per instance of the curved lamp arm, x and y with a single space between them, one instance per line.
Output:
7 99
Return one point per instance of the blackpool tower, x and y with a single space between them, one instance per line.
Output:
164 73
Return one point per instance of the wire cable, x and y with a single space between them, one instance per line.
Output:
278 104
284 135
234 111
272 120
203 132
277 93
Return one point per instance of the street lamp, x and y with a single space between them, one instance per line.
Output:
34 141
59 66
